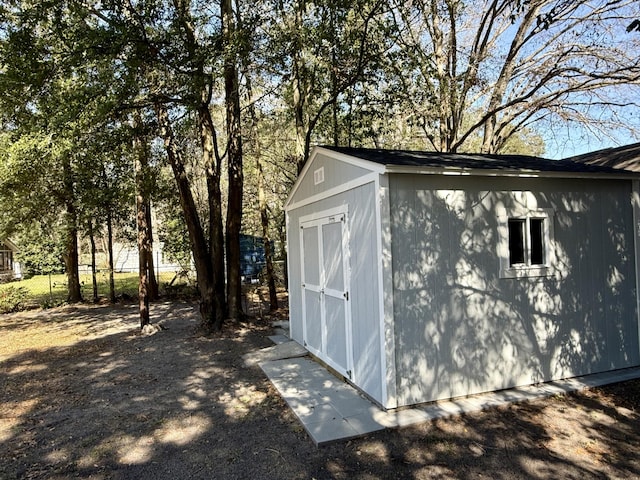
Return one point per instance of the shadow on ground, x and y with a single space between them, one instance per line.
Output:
110 403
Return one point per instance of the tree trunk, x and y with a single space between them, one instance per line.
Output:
71 265
153 291
143 250
94 280
112 286
268 254
143 279
141 222
208 259
234 165
254 136
70 255
218 303
501 84
209 307
299 92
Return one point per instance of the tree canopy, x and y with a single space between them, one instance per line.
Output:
232 95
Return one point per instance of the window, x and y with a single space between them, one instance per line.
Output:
525 240
6 258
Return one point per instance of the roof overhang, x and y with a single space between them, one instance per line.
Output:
524 173
391 168
10 244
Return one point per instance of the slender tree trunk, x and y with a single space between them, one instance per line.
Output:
141 222
216 231
264 221
71 264
282 235
143 247
234 165
299 91
153 281
254 136
70 255
112 286
500 86
143 279
94 279
209 311
208 259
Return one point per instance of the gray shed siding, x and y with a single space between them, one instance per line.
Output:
460 329
363 251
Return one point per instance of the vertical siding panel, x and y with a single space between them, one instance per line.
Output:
600 261
294 276
364 288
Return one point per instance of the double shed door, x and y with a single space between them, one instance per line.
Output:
325 291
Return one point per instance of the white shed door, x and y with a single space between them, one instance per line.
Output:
325 281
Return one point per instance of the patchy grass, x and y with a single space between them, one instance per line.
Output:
51 290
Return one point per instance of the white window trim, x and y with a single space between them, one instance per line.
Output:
525 270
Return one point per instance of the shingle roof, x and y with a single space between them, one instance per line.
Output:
465 161
622 158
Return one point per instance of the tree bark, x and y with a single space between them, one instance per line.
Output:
234 164
71 265
94 280
208 258
112 286
153 289
299 92
141 222
209 304
70 255
143 279
264 221
217 303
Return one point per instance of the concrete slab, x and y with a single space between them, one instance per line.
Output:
289 349
331 410
278 339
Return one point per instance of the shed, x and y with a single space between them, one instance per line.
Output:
421 276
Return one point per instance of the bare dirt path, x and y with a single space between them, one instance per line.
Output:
84 395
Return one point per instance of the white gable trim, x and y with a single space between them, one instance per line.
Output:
372 166
358 182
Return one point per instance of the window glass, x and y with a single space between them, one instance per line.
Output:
525 243
536 231
516 241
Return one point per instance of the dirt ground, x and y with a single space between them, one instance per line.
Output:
84 395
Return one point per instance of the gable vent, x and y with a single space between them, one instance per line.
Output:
318 176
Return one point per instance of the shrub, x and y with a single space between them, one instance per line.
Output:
12 299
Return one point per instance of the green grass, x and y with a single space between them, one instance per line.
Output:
51 290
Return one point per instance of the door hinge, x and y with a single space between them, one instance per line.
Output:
346 295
